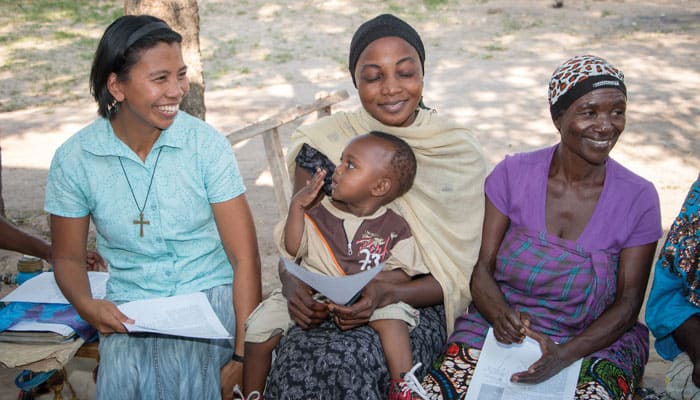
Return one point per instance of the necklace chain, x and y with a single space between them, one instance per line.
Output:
148 192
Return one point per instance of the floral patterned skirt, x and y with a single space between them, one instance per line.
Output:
327 363
449 377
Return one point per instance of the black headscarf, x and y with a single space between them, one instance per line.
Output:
382 26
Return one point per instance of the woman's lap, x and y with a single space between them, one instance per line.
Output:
166 367
332 364
602 375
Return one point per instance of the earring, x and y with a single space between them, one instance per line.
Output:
112 108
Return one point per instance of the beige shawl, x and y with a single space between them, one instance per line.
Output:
445 206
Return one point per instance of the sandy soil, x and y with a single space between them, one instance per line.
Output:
488 64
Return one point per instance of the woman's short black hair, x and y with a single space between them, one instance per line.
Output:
119 49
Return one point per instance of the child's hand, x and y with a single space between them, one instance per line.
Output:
306 195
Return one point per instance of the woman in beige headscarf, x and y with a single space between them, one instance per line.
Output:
444 210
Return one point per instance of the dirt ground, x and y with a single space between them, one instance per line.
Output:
487 66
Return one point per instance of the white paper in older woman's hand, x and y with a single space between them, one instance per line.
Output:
341 290
188 315
498 361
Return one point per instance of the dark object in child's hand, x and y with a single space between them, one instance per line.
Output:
311 160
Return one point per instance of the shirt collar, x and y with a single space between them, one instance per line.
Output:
102 141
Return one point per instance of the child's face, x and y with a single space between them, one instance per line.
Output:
365 162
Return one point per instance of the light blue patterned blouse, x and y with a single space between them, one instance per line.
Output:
180 251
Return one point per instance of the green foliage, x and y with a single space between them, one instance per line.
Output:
43 43
434 4
60 11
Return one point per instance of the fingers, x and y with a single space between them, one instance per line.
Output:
300 314
107 318
307 312
361 309
317 180
536 373
508 329
231 375
308 193
95 262
345 324
120 319
348 317
542 339
525 318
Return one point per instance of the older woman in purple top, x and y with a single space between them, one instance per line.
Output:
568 241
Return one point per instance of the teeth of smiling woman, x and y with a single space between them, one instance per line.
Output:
168 109
599 142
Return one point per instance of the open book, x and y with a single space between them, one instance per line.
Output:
343 290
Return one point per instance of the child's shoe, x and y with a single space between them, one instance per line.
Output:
238 395
408 387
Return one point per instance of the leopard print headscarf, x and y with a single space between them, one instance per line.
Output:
578 76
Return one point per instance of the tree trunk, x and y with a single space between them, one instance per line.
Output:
183 17
2 201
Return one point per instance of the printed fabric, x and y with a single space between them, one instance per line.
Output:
45 313
675 292
327 363
451 374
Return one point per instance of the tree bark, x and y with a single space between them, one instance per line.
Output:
183 17
2 201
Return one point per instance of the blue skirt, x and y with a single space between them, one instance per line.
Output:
151 366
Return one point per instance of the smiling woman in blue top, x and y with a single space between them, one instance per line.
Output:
165 195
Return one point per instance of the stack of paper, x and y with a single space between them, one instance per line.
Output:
38 332
39 313
29 319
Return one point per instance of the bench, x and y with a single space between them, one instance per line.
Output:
269 129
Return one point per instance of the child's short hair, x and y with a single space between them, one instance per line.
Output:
403 162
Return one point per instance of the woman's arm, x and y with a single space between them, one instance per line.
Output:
234 221
508 324
69 237
632 276
688 339
15 239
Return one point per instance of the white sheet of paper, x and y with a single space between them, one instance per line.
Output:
497 362
43 289
339 289
25 326
188 315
